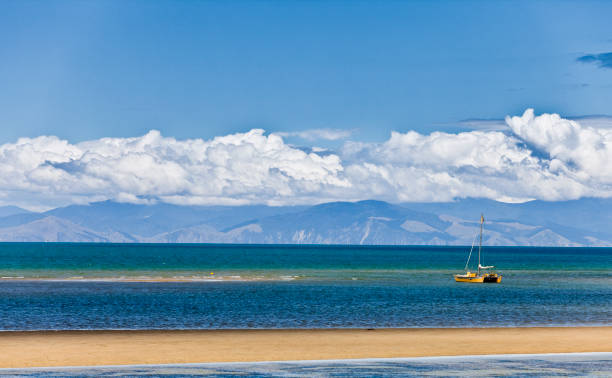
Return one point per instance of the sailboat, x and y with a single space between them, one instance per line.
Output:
477 277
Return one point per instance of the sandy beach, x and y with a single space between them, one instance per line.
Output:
82 348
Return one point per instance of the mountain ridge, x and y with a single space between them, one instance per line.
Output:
366 222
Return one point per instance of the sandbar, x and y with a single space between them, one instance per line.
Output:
89 348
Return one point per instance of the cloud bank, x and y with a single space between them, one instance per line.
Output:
534 157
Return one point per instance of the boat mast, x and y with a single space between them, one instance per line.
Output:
480 244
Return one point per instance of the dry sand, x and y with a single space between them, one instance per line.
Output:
81 348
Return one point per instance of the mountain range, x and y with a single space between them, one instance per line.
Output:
584 222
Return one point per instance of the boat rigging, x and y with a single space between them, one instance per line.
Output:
489 276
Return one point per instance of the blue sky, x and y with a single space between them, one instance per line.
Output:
83 69
303 102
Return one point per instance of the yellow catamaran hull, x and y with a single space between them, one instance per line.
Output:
463 278
474 278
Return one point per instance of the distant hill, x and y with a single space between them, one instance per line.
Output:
6 211
50 229
582 222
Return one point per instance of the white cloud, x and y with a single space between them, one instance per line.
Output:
544 157
239 168
582 152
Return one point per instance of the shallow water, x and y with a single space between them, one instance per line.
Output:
297 287
537 365
65 260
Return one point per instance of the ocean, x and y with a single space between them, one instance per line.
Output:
48 286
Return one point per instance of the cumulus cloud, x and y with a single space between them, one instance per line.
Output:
234 169
532 157
582 152
492 164
603 60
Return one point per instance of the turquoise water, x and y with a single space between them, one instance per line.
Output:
87 286
46 260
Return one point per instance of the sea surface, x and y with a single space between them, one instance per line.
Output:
46 286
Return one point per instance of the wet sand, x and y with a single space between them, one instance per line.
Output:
87 348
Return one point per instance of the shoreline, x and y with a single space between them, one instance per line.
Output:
580 356
357 328
23 349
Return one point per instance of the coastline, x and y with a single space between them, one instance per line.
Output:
95 348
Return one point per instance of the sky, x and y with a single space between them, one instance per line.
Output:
287 102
